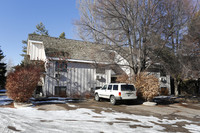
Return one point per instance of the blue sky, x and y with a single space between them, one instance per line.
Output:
18 18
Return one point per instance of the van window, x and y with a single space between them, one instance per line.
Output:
115 87
127 88
109 87
104 87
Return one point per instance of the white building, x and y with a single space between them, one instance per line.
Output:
75 66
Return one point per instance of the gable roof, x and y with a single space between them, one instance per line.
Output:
73 49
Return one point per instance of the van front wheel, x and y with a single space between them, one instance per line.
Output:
97 97
113 100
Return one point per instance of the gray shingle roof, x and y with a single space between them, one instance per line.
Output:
75 49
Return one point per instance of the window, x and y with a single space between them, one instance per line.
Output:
127 88
115 87
61 66
163 73
38 90
96 88
100 70
104 87
164 91
110 87
57 75
60 90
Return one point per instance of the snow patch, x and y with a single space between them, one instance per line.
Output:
149 103
49 102
2 103
174 126
70 105
4 100
193 128
81 120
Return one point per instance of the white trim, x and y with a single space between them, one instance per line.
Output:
81 61
32 41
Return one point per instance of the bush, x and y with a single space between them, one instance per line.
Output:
22 82
88 94
147 85
189 87
123 78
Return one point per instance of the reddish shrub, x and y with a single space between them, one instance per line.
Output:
75 95
22 82
88 95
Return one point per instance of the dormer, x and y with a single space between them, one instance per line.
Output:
35 50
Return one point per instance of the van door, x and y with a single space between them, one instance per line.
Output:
103 91
108 91
128 92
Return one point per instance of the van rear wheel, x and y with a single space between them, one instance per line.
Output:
113 100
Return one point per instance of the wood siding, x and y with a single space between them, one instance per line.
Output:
81 77
36 50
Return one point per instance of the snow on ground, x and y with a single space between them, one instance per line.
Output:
193 128
49 102
70 105
80 120
4 100
5 103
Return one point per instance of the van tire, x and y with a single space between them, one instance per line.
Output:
96 97
113 101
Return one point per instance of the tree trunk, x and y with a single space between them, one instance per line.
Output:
199 87
176 84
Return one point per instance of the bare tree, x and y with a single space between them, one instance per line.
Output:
10 66
191 47
178 57
133 28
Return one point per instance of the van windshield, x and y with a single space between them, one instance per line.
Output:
127 88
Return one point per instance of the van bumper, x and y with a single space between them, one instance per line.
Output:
130 98
118 98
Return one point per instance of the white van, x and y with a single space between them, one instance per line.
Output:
116 92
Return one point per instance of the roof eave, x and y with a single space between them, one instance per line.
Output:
76 60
